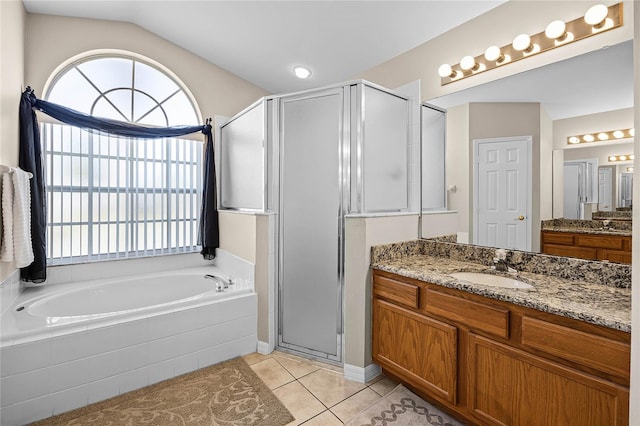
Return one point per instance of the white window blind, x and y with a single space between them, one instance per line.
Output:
111 197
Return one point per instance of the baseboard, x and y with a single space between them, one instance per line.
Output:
264 348
361 374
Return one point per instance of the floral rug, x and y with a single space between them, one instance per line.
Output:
401 407
226 394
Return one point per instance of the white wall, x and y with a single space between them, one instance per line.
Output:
12 48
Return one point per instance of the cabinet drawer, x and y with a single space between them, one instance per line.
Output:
492 320
626 244
571 251
604 354
616 256
397 291
601 241
556 238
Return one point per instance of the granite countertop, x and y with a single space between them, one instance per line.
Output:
594 226
594 303
592 231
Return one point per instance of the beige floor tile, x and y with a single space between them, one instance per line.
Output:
348 408
255 357
299 401
317 363
384 386
272 373
326 418
297 368
330 387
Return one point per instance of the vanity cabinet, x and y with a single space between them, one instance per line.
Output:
614 248
496 363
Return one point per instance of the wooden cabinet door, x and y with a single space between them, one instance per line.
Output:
420 350
511 387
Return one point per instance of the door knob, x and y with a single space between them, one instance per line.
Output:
520 217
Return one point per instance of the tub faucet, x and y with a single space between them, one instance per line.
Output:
500 261
221 283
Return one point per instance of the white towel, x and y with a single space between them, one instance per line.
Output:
6 248
22 245
15 244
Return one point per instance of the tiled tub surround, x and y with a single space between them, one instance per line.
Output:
595 292
601 227
63 367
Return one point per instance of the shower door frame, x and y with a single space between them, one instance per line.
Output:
344 184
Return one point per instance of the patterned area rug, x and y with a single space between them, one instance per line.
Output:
401 407
226 394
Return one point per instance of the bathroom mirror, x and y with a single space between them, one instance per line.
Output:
565 90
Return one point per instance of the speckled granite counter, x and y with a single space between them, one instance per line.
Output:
617 215
595 227
570 287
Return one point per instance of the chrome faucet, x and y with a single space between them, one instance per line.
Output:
500 261
221 283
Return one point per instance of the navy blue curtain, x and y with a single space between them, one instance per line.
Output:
31 161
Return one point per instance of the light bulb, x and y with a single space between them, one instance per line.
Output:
302 72
574 139
612 158
522 43
632 132
630 169
596 15
618 134
556 30
603 136
493 53
588 138
468 63
622 157
446 71
631 157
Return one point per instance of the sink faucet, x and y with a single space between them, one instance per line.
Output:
500 261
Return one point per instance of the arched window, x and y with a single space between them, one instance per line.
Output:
112 197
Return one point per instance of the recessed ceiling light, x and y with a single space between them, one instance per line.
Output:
302 72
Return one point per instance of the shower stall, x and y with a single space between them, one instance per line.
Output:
313 158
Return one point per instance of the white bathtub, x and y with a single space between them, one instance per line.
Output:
64 346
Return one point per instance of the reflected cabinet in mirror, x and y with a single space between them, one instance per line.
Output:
549 150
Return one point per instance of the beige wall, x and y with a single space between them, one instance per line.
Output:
602 121
238 234
546 165
498 26
609 120
457 153
360 235
52 40
12 49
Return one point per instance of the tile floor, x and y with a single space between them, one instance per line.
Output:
315 393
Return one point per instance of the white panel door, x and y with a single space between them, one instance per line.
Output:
503 193
605 176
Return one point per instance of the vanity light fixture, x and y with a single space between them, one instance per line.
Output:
623 157
610 135
596 20
557 30
596 16
630 169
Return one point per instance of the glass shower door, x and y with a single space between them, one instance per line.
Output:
311 224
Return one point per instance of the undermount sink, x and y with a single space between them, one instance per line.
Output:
491 280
